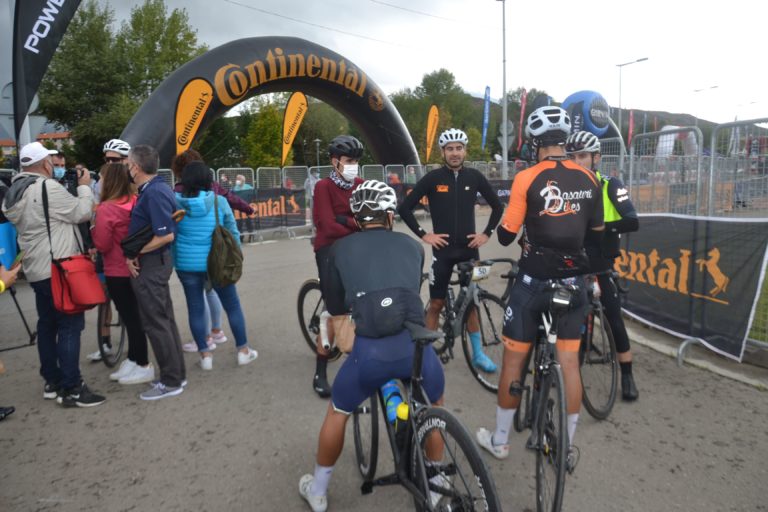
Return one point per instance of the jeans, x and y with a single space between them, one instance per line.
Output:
194 285
212 311
58 339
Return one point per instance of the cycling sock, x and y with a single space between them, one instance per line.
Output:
320 365
573 420
626 368
322 478
504 418
477 343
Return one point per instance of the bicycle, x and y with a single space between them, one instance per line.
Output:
108 330
455 316
460 480
310 306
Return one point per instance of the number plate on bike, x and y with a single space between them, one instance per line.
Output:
481 272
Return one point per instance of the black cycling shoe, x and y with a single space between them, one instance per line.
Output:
321 386
5 412
629 391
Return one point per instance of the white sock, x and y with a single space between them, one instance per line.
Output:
573 420
504 418
322 478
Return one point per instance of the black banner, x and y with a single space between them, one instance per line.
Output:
502 189
275 208
38 28
696 277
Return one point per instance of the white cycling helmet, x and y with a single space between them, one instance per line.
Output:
546 121
582 142
376 195
452 135
118 146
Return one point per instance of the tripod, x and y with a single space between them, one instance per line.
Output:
32 335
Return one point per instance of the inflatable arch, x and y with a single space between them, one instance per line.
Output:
197 93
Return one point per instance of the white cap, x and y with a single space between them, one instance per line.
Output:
33 153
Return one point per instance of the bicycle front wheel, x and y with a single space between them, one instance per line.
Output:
309 305
485 365
599 366
551 442
111 335
447 468
366 431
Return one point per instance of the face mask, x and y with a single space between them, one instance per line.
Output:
350 172
238 182
58 172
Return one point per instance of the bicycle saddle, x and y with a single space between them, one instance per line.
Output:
419 332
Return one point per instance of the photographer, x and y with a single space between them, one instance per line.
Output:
58 333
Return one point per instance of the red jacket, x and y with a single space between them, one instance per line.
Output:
330 201
111 226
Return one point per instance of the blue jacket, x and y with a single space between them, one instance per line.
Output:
193 234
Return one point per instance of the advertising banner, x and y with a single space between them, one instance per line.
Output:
432 119
486 114
295 111
274 208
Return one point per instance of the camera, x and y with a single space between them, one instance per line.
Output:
69 181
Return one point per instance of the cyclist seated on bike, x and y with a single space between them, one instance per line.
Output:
619 216
452 194
383 348
333 220
557 202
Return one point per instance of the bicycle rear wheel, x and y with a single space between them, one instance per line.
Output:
110 333
551 442
451 473
599 366
366 433
490 316
309 305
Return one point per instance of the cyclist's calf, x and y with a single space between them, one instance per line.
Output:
434 308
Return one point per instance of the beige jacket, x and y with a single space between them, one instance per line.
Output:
24 208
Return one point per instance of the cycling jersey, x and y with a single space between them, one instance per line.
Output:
558 201
452 196
620 217
331 212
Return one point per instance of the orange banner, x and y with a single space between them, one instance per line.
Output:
432 119
191 107
294 115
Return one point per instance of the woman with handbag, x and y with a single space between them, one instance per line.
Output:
113 215
191 250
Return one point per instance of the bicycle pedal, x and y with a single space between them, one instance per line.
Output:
444 358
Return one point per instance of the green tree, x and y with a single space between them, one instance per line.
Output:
263 145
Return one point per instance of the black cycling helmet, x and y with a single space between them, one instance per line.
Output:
346 145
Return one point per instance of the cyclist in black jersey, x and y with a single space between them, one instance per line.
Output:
452 193
364 270
558 203
620 217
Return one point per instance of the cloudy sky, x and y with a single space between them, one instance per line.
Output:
559 46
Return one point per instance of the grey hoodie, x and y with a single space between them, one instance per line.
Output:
23 206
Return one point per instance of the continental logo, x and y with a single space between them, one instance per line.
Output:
193 103
294 115
279 206
234 82
673 274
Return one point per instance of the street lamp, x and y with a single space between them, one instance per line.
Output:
621 66
317 147
504 134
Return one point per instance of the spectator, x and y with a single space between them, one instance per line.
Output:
152 268
111 225
58 334
410 175
210 299
288 183
190 255
241 184
393 178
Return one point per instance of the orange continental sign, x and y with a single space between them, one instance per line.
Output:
233 82
191 107
275 207
432 118
294 114
673 274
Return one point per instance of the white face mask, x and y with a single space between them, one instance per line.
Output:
350 172
238 182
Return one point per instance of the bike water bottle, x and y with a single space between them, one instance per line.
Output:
392 399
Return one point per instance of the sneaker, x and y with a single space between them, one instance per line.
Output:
218 337
206 363
50 391
246 358
79 397
316 503
159 391
192 347
629 391
485 439
321 387
572 459
157 381
95 357
126 367
441 481
6 411
483 362
139 375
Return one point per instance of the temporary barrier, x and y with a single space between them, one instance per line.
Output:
373 172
